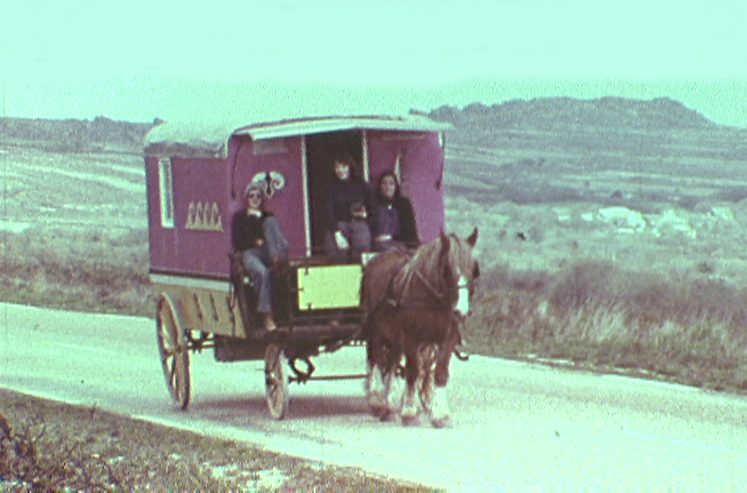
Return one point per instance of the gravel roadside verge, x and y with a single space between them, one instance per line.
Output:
50 445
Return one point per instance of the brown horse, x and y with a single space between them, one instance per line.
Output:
414 303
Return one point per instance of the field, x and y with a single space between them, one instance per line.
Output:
612 231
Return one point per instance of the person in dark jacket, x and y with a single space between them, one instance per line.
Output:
394 219
348 207
256 233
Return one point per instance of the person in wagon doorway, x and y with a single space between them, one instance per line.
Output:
394 219
256 233
349 204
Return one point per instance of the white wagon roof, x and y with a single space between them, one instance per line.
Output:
210 139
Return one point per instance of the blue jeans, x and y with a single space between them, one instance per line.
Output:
257 262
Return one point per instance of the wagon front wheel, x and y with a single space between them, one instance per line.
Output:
276 381
172 344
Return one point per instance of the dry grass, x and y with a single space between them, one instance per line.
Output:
598 315
79 268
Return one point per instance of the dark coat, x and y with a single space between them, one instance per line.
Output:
247 230
408 231
342 195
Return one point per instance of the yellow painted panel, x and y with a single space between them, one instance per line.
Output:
330 286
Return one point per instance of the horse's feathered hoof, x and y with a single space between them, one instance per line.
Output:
377 411
387 415
410 420
442 422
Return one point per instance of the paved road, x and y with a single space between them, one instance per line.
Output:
514 423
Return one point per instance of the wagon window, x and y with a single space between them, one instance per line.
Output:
166 192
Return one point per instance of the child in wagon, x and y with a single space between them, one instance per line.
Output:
256 233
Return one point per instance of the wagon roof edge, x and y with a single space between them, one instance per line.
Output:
208 139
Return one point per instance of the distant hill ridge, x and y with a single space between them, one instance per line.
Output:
75 135
609 113
554 113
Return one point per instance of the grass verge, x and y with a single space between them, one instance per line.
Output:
597 316
78 269
45 445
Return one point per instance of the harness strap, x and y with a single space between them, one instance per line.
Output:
399 301
439 296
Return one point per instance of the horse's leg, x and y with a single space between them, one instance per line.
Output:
389 409
392 358
413 371
440 413
428 359
375 379
376 403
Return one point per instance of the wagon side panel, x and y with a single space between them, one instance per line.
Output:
418 157
189 224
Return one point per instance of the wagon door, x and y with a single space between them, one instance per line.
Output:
418 159
321 150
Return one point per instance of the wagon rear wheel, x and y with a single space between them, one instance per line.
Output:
276 381
172 344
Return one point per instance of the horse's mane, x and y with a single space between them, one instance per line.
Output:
426 262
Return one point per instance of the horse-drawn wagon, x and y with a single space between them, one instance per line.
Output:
196 174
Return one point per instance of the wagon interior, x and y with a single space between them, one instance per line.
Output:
321 149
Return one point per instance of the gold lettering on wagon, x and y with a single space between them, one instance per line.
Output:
204 216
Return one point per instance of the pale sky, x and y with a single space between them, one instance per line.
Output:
143 59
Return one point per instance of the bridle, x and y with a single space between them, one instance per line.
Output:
440 295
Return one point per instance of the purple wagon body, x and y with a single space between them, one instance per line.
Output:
196 180
196 175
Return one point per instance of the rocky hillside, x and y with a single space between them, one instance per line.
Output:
550 114
556 113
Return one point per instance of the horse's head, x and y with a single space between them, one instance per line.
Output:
459 270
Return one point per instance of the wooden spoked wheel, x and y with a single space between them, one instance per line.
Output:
276 381
172 344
